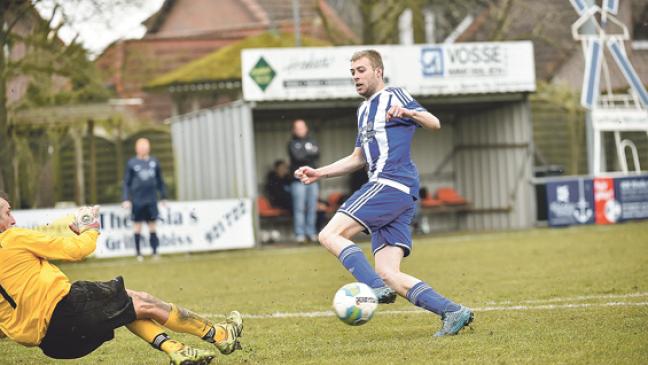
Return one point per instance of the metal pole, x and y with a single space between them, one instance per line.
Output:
297 23
592 160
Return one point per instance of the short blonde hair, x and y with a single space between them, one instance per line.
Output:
375 59
142 140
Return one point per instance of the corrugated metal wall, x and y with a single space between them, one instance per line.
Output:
214 153
432 153
493 165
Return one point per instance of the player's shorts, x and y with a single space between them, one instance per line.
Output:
86 318
147 212
385 212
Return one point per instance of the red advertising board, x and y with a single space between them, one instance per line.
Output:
605 205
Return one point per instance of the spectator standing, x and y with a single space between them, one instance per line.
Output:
303 151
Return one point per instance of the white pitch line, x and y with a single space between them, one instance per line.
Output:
322 314
575 298
562 306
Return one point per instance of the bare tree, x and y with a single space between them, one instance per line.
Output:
44 59
379 19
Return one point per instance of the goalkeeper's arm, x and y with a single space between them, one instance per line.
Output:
75 248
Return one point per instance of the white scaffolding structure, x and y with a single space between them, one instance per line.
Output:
608 112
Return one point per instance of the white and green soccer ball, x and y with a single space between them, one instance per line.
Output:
355 304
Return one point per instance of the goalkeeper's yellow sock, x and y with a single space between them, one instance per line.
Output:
152 333
185 321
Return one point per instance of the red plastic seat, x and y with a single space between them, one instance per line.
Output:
266 210
430 202
450 196
334 201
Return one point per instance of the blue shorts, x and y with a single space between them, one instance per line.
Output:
385 212
147 212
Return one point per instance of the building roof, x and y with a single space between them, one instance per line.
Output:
191 17
225 64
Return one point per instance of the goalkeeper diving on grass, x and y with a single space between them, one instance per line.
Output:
383 207
40 307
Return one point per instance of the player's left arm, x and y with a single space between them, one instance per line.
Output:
404 106
419 115
160 181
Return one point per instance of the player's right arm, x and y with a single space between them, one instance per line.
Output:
128 177
343 166
72 248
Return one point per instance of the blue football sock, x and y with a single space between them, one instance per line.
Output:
422 295
138 237
154 241
356 262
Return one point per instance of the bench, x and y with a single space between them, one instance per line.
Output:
446 201
276 223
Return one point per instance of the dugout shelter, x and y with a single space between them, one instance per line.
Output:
479 91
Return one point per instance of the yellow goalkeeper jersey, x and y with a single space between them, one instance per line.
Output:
30 286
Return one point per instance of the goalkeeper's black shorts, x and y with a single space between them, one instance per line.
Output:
86 318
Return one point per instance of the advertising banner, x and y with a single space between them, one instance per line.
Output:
570 202
316 73
602 200
182 227
632 195
608 209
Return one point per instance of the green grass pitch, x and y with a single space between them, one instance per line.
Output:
542 296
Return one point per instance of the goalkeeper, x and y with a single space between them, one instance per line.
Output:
40 307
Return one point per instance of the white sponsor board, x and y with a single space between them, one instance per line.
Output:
182 227
620 119
434 69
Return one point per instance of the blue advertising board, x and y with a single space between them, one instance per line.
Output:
570 202
631 192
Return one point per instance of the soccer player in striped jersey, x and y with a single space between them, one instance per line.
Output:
40 307
384 207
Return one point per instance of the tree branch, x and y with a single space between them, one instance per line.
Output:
25 8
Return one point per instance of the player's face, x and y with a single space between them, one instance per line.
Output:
142 147
6 219
367 80
300 129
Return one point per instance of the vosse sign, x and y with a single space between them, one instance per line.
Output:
323 72
468 60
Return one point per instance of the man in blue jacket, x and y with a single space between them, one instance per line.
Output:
142 183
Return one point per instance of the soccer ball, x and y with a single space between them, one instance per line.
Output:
355 304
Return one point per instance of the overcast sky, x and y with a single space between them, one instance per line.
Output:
97 32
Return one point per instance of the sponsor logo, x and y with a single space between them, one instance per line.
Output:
262 73
432 61
479 60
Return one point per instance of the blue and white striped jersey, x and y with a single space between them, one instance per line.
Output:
386 144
